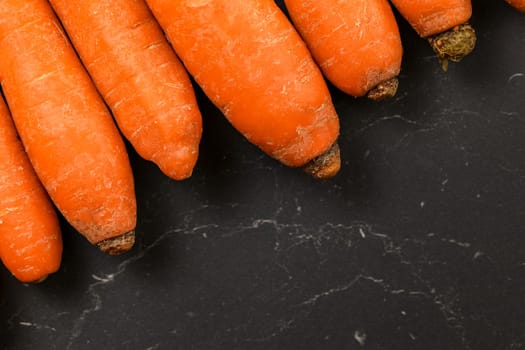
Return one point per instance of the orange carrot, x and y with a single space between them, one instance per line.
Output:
253 65
517 4
135 69
355 42
30 238
444 23
67 131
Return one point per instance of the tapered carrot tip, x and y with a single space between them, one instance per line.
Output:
119 244
326 165
384 90
453 44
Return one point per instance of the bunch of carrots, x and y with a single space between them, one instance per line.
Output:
76 76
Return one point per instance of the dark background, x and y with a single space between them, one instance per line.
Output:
418 243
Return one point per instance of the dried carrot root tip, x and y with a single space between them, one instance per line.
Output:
384 90
454 44
326 165
117 245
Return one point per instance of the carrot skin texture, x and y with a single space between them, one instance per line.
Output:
254 67
30 237
139 76
67 131
517 4
356 43
431 17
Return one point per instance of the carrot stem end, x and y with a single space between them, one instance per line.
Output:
454 44
384 90
119 244
325 165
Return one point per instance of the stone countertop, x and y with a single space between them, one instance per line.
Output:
418 243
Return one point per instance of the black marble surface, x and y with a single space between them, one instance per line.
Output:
418 243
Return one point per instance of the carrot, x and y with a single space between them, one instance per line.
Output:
135 69
253 65
356 43
444 23
517 4
30 238
67 131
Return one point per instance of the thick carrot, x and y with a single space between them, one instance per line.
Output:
355 42
444 23
30 238
65 127
253 65
139 76
517 4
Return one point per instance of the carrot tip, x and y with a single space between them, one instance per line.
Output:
117 245
384 90
454 44
326 165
